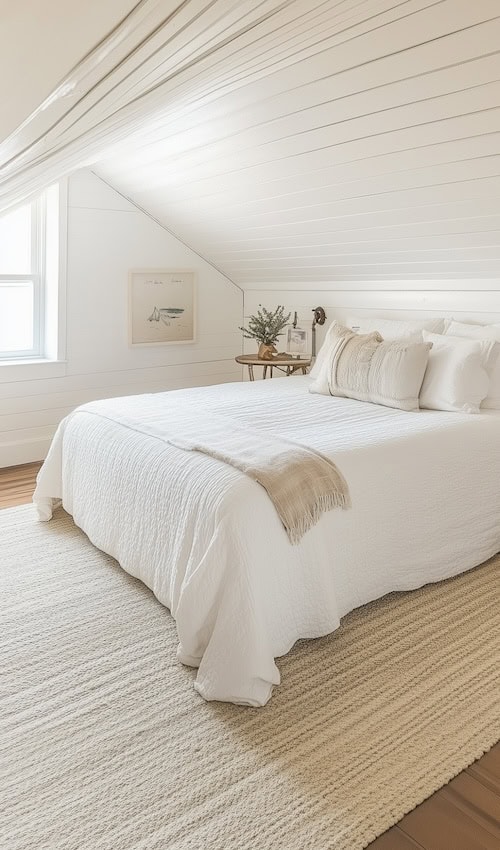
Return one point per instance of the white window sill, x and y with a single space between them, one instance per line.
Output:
31 370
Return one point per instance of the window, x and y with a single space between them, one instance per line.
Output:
30 280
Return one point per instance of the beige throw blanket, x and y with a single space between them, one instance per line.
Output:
301 483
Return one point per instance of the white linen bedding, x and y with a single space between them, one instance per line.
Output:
207 540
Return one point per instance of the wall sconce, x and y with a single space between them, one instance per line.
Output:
319 319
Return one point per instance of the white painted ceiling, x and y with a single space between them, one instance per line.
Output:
323 140
40 41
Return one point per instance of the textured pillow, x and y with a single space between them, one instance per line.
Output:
364 367
457 374
323 352
410 331
488 333
396 329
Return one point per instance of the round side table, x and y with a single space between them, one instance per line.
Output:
288 364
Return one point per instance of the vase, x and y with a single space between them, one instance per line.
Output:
266 352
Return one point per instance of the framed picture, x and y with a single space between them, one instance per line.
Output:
162 307
297 342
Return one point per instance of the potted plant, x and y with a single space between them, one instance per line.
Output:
266 327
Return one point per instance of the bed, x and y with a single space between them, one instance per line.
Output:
208 542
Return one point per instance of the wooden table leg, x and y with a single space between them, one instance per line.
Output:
250 372
270 371
264 373
304 370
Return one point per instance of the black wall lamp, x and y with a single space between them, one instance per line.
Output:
319 319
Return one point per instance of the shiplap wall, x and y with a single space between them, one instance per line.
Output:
465 300
106 237
347 141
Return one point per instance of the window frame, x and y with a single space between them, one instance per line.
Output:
36 277
49 234
9 280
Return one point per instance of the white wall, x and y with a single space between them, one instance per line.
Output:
465 299
107 236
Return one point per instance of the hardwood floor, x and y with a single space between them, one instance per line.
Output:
17 484
464 815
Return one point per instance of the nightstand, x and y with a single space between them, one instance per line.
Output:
287 364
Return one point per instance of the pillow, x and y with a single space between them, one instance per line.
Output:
410 331
457 374
364 367
482 332
322 353
396 329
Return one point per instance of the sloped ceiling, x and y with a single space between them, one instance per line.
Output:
39 43
287 141
346 140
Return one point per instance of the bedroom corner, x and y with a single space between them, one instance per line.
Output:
107 236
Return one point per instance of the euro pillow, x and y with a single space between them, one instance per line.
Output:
488 333
457 373
392 329
365 368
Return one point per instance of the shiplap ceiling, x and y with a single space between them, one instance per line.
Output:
40 42
287 141
346 140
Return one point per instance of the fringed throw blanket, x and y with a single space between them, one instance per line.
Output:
301 483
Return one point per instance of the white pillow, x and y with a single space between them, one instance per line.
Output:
322 353
411 330
457 373
484 332
364 367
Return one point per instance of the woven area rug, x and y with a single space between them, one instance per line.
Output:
104 744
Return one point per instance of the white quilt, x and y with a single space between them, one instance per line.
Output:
206 539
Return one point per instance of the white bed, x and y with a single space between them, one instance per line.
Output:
208 542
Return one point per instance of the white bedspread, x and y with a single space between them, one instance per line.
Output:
206 539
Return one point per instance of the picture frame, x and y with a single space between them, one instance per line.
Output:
297 342
161 307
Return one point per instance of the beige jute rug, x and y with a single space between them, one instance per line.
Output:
104 744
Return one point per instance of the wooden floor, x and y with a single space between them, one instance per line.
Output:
464 815
17 484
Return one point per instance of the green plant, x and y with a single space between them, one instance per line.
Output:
266 326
